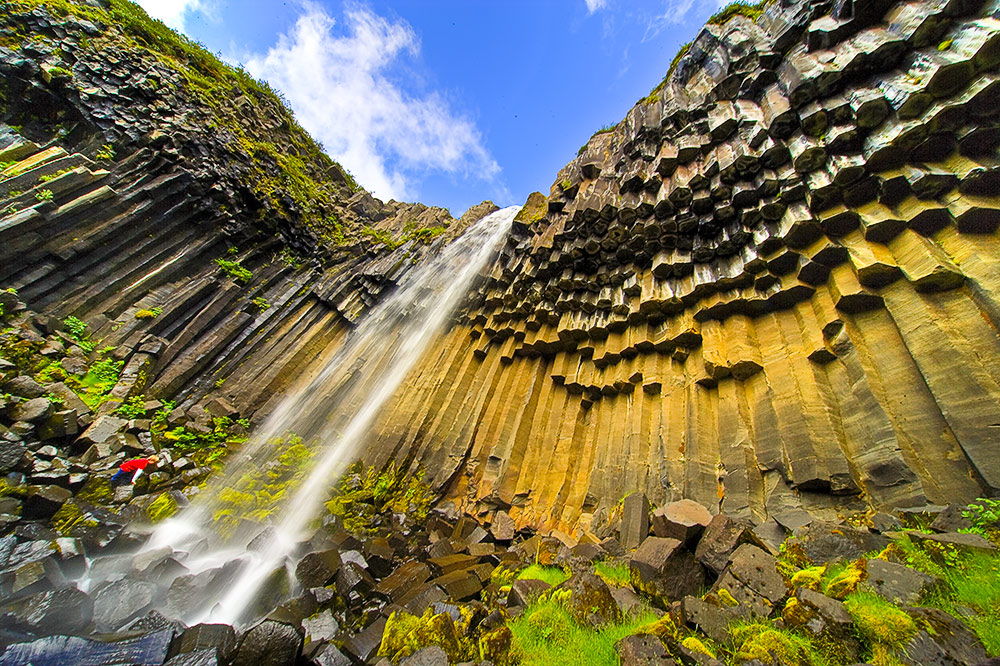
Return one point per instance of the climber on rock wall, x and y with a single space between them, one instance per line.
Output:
135 467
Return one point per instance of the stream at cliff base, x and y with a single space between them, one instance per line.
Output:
224 558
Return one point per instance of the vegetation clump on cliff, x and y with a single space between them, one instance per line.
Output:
364 495
287 169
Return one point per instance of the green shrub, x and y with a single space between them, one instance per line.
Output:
133 408
44 195
261 303
234 270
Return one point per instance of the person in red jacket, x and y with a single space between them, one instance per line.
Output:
133 468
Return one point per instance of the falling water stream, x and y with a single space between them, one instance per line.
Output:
333 415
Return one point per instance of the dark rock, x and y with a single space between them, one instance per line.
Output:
428 656
364 645
753 580
684 520
769 535
329 655
721 537
642 650
460 585
628 601
219 638
320 627
206 657
353 581
883 522
269 643
422 597
635 520
33 411
67 610
591 602
942 639
522 592
502 526
24 387
898 583
710 619
12 456
665 568
825 619
972 542
146 650
951 519
42 502
825 542
318 569
118 603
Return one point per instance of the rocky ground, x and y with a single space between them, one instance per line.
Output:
390 579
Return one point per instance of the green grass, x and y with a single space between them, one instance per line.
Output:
749 10
974 585
551 575
613 573
547 635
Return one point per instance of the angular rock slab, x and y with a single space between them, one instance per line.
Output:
665 568
148 650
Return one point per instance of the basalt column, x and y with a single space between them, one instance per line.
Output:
773 288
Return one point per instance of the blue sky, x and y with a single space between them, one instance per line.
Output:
449 102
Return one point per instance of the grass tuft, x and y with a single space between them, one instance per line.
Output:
547 635
613 573
551 575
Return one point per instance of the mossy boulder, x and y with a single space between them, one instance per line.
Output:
404 634
534 209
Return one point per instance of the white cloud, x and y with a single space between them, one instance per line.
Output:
337 80
594 5
675 12
171 12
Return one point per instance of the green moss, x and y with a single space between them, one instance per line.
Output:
847 580
364 493
404 634
534 209
810 577
883 628
257 494
68 517
162 508
97 490
613 573
261 303
133 408
551 575
764 641
148 314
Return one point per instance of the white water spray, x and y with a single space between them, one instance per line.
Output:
332 414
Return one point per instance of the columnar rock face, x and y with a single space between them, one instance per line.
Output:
774 286
202 228
772 289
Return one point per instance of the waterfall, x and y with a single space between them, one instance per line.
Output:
332 415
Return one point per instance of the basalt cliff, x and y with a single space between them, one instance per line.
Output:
772 288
